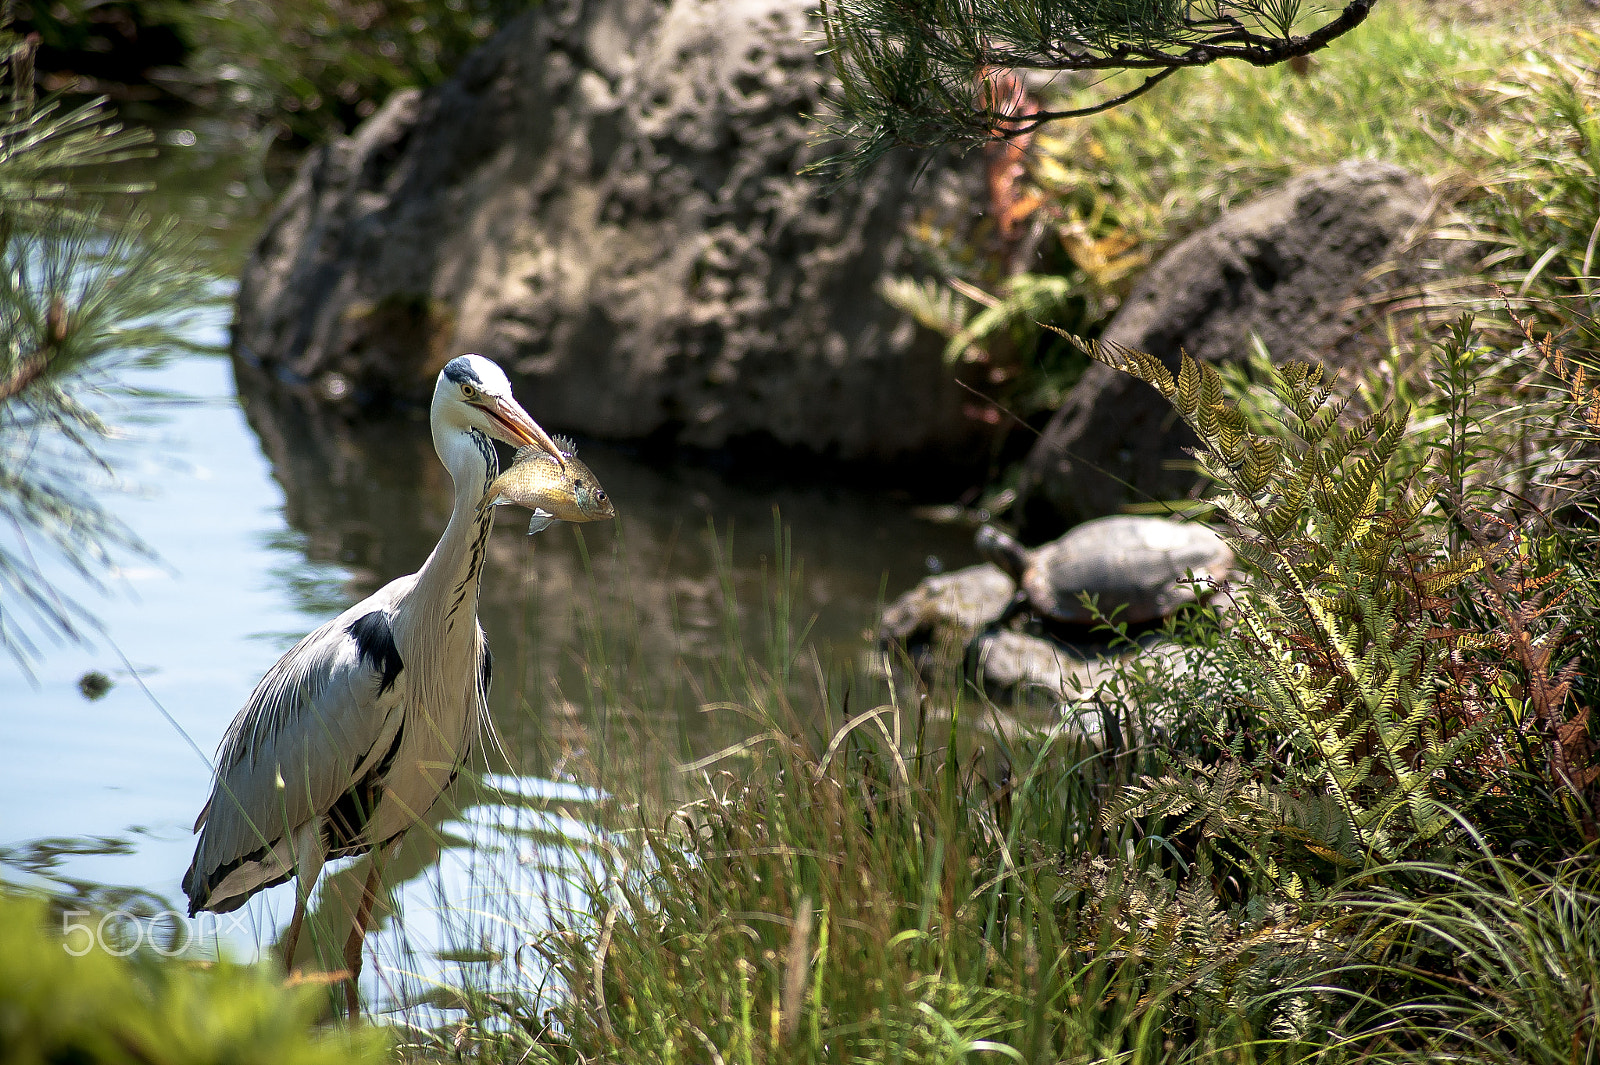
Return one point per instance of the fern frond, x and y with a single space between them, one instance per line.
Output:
1447 575
932 305
1327 520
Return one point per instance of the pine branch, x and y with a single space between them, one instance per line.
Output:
81 296
922 73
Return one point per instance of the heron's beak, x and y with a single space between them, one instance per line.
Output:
517 428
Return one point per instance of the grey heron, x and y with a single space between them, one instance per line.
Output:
351 737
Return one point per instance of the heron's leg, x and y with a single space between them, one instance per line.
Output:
358 934
292 936
308 860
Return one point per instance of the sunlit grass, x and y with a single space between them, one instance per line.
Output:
1412 86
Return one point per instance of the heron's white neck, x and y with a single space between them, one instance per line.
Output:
445 597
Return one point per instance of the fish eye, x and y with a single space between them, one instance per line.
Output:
600 494
468 392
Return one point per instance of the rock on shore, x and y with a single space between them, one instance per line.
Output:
1293 268
607 199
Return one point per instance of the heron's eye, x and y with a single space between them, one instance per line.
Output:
468 392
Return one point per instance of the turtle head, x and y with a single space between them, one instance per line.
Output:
1004 551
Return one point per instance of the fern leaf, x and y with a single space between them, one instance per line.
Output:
930 304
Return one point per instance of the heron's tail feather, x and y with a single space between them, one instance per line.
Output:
222 887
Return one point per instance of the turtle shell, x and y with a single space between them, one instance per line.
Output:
1137 569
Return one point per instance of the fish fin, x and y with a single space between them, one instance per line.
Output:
499 500
541 521
527 452
565 445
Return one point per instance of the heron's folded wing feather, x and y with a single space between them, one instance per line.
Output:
307 733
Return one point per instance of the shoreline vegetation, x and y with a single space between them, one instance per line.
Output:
1361 825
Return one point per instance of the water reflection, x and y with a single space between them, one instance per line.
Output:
467 899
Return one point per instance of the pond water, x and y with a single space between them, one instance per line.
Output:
267 517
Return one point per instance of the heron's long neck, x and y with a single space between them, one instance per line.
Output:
446 592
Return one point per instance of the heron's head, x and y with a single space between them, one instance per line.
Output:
473 393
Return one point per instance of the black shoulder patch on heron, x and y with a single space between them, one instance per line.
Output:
486 669
459 370
375 644
346 821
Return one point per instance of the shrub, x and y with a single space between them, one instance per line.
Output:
148 1010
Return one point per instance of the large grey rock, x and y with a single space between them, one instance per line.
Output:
607 200
1288 267
1094 694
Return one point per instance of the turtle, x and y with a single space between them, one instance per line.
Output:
1136 569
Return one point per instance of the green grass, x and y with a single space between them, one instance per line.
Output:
1496 963
881 889
899 886
1411 86
1481 103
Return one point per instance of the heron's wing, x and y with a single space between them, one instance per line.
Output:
323 717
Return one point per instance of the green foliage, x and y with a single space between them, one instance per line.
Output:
1470 105
315 67
1207 884
1103 196
146 1010
1215 881
76 301
1497 963
44 150
1410 86
1273 833
1026 368
1338 622
854 901
1537 206
80 293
